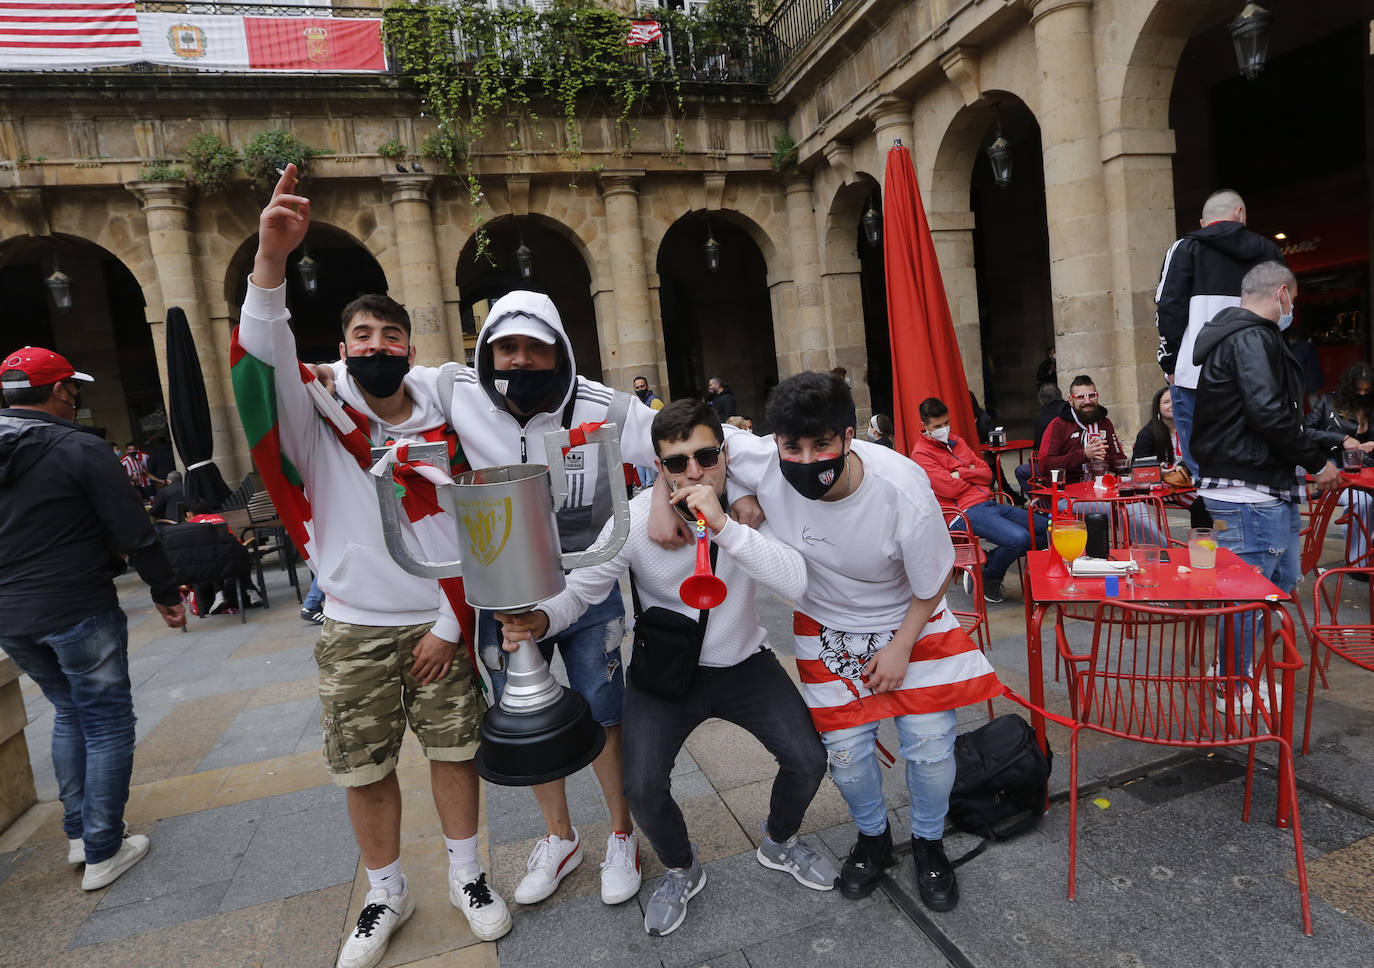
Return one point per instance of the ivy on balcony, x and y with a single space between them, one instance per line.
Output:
480 70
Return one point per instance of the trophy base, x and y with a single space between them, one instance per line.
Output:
529 748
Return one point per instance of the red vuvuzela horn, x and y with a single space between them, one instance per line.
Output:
703 589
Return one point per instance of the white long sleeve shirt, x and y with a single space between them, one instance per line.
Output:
733 632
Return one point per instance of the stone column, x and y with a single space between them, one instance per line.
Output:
167 208
891 117
633 350
952 233
1075 193
807 340
421 283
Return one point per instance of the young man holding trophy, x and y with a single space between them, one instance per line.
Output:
388 653
715 664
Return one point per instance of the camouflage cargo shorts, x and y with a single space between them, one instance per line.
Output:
368 696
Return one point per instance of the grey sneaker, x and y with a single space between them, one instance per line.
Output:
799 859
667 907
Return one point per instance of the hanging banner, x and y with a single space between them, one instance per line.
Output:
41 34
314 44
204 42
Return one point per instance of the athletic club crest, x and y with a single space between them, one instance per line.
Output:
827 477
187 41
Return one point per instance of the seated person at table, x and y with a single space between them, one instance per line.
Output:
1159 439
1081 433
1051 402
233 593
737 677
1341 422
961 479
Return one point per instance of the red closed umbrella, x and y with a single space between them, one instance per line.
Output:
925 354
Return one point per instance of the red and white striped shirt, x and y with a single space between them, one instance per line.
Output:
136 467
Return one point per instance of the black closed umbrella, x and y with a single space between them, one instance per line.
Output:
188 411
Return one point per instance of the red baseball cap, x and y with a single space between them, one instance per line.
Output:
42 367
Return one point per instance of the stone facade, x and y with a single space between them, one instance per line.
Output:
1095 75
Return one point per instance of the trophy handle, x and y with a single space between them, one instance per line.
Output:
437 455
608 436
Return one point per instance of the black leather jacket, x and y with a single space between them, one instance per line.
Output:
1248 424
1329 426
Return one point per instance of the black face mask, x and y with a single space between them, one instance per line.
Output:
528 391
642 394
1363 399
380 374
813 481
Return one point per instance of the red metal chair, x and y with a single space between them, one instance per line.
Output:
969 559
1144 679
1321 510
1352 642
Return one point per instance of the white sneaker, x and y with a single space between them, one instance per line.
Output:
620 876
382 914
488 917
552 859
1244 698
76 847
131 851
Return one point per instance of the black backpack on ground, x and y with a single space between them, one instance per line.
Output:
1001 775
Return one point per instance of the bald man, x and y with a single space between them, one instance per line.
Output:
1201 277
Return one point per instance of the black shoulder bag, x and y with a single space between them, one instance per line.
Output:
667 646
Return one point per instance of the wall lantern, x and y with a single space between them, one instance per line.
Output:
712 250
524 260
1250 35
60 285
308 271
871 225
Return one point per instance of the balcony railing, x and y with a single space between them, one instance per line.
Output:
794 22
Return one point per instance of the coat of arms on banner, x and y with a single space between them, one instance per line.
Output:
187 41
317 44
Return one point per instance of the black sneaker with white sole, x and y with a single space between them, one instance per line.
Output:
992 592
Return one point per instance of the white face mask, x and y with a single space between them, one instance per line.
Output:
940 433
1285 319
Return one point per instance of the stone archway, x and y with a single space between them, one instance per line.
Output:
717 324
344 270
557 268
105 332
993 245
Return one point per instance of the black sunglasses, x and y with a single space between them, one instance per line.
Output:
677 463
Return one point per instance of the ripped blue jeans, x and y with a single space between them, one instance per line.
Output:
591 653
927 746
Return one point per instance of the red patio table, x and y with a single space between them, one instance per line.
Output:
994 456
1232 580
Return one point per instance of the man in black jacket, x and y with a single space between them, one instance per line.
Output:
1249 438
66 511
1200 278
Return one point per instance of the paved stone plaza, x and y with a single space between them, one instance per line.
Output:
253 862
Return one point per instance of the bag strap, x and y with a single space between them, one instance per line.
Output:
702 615
1024 825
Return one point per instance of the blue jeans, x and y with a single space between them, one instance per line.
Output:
1185 405
927 745
1005 527
83 669
591 653
314 599
1265 536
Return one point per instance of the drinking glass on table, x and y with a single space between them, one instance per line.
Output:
1202 548
1069 539
1353 458
1147 559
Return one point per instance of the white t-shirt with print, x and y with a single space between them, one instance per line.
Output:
867 554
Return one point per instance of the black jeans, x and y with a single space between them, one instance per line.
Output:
757 695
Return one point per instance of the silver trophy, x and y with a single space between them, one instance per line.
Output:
510 560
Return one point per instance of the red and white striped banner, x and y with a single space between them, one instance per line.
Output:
643 32
64 33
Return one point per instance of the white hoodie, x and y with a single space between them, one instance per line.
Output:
492 436
362 585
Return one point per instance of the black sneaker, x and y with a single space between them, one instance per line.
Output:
934 875
992 592
314 616
864 866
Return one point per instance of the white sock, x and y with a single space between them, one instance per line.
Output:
388 878
462 856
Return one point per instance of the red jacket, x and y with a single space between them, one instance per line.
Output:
941 462
1062 446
